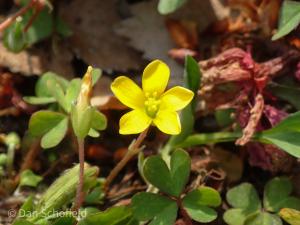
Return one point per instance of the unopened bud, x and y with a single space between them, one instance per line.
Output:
84 98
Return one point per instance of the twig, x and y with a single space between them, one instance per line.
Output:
6 23
80 193
9 111
132 151
38 8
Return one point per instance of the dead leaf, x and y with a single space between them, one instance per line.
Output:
255 116
37 61
155 41
229 162
184 33
147 32
93 37
103 98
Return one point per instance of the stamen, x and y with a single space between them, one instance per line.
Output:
151 104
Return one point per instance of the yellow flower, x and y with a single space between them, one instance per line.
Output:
151 104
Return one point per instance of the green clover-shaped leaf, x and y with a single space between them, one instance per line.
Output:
197 203
247 207
28 178
263 218
169 180
51 126
277 195
245 201
154 207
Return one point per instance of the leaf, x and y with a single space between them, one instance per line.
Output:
197 203
55 135
26 208
286 93
38 100
112 216
209 138
285 135
243 196
99 120
95 197
159 209
236 216
57 91
62 191
41 28
173 180
276 195
291 123
169 6
289 19
28 178
65 220
192 81
286 140
3 159
41 87
14 37
72 93
263 218
22 222
291 216
223 117
93 133
43 121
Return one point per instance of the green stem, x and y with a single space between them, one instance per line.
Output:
209 138
79 194
10 158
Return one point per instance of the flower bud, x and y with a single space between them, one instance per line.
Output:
84 97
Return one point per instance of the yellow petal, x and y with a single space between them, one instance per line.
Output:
176 98
168 122
134 122
155 77
128 92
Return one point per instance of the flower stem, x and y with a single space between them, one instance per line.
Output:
79 194
132 151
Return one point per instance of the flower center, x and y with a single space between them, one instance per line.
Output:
152 104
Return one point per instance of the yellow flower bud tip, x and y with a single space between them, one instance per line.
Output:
86 89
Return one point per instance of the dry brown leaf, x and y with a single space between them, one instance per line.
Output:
93 38
229 162
103 98
37 61
255 116
148 33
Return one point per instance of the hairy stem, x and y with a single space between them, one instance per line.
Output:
80 194
132 151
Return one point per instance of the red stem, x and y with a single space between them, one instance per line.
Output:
6 23
132 151
80 194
